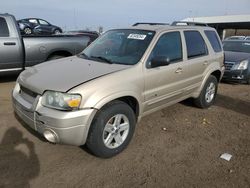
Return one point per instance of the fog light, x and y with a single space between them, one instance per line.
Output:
50 136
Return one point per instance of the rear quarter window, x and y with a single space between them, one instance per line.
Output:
196 45
214 40
4 31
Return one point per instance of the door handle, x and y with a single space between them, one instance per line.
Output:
179 70
9 43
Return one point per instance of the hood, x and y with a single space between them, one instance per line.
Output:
236 56
63 74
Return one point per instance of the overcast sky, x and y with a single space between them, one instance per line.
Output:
79 14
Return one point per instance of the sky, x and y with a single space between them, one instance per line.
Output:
82 14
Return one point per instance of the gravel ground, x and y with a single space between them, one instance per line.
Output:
178 146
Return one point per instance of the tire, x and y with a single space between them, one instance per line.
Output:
208 93
103 140
54 57
248 81
57 31
27 31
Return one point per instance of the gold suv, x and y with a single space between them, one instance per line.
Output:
97 97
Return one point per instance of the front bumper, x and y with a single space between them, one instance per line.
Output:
66 127
236 75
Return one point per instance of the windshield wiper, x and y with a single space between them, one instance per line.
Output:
83 55
102 58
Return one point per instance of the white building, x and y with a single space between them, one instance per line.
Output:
221 23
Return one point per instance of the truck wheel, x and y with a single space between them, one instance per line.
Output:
208 93
111 129
27 31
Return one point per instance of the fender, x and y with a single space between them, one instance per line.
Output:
117 95
210 69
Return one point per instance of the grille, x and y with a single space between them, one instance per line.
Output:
229 65
27 94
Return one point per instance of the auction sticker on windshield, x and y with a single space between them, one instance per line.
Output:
137 36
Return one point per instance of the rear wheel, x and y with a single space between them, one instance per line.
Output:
27 31
111 129
208 93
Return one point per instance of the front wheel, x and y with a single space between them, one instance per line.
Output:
111 129
208 93
56 32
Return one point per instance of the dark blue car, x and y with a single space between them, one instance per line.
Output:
39 26
237 60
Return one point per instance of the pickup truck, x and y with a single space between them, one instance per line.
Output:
18 52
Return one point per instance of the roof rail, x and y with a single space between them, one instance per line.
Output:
176 23
147 23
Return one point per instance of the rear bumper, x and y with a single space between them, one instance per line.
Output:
66 127
236 75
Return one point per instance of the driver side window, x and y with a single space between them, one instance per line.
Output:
169 47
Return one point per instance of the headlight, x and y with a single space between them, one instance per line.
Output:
241 66
61 101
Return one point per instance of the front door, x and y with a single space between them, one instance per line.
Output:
10 49
45 27
165 83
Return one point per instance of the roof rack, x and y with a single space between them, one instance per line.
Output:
181 23
147 23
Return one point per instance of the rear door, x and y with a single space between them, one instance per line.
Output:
198 59
10 52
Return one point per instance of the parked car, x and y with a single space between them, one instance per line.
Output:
18 52
39 26
97 97
237 58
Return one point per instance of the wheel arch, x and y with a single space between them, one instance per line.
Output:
132 100
215 72
63 53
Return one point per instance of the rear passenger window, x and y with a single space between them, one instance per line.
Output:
168 46
214 40
4 31
196 45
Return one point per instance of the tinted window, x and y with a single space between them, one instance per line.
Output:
42 22
168 46
237 46
195 44
214 40
4 31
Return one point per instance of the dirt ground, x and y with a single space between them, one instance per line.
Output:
185 154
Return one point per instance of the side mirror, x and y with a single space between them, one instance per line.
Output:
160 61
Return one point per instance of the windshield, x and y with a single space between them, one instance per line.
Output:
123 46
237 46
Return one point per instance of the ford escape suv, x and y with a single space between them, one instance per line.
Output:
97 97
